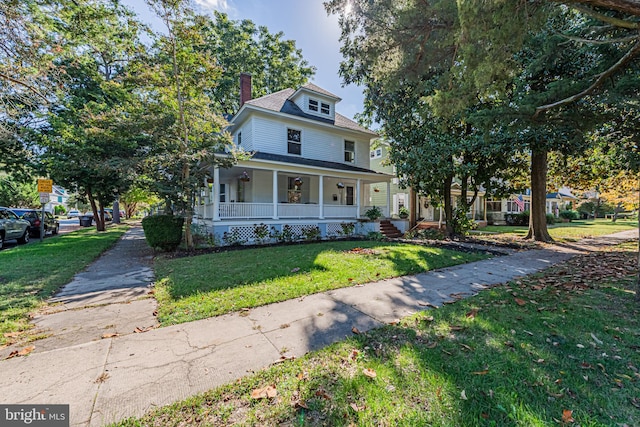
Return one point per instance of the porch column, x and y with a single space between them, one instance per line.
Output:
216 193
389 199
275 194
358 198
321 195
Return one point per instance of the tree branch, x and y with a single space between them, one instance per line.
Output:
616 22
23 84
610 41
601 78
631 7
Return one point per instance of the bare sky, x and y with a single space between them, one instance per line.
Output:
304 21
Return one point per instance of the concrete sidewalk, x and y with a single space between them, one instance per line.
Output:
106 380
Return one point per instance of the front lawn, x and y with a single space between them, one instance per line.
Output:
570 230
32 273
561 348
202 286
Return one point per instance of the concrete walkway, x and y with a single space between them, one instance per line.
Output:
106 380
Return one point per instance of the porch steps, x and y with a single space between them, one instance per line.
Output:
389 230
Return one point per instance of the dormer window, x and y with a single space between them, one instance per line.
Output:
349 151
317 106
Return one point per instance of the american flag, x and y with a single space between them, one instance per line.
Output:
520 202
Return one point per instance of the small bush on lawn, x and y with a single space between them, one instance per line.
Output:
551 219
521 218
163 232
569 214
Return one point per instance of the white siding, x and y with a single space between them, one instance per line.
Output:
318 143
262 185
302 101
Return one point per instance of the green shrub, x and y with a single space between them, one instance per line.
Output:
163 232
232 238
403 212
518 219
347 228
551 219
373 213
311 232
261 233
375 236
569 214
59 210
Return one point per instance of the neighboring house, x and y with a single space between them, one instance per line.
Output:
58 196
399 197
310 167
560 201
383 195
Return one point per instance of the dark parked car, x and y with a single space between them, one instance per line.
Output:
12 227
34 216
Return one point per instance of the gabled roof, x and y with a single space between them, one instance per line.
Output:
560 195
281 102
310 87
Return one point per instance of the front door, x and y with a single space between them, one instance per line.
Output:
350 196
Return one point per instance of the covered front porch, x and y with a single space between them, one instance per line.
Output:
253 191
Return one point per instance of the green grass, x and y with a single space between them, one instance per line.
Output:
523 354
30 274
202 286
570 230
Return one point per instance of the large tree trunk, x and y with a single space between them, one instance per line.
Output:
448 207
96 215
538 215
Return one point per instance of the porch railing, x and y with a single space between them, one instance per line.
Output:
246 210
296 210
240 210
342 211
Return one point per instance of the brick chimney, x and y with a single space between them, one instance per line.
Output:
245 88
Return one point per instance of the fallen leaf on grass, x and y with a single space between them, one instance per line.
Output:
264 392
301 404
322 393
466 347
355 330
567 416
472 313
355 407
456 328
519 301
485 372
369 373
463 395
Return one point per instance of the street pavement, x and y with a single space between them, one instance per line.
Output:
106 358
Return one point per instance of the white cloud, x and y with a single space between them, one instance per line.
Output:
220 5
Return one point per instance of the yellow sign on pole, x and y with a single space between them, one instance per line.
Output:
45 186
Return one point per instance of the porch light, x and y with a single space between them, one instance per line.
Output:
245 177
340 185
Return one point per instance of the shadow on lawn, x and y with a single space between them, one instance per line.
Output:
506 364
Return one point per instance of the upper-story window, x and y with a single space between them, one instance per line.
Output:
376 154
294 141
239 138
323 107
349 151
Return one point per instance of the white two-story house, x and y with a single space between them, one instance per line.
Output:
309 166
